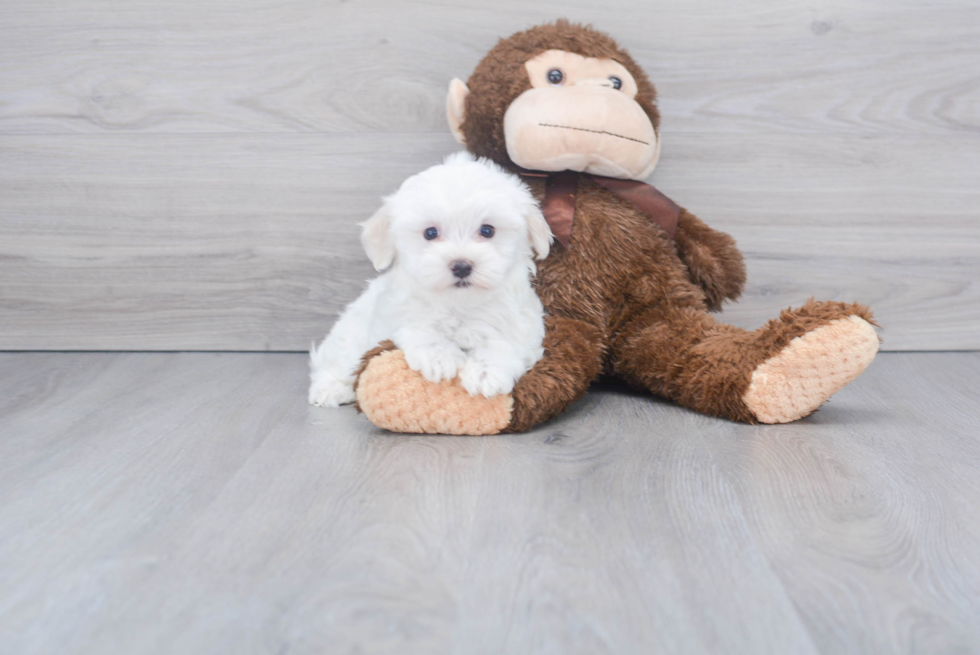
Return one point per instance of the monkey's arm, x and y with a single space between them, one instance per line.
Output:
396 398
713 261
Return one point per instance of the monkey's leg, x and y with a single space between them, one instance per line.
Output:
573 356
779 373
399 399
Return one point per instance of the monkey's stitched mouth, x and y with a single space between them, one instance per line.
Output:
582 129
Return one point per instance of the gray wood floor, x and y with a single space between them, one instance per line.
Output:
193 503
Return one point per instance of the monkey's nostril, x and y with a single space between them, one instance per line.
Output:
461 268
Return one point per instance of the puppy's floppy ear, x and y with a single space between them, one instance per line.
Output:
377 240
539 232
456 108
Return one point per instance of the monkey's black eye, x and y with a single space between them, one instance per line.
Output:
486 231
616 82
430 233
555 76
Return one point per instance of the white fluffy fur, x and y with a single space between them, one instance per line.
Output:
490 332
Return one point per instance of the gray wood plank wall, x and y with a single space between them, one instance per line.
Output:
188 175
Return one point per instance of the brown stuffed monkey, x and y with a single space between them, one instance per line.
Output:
629 286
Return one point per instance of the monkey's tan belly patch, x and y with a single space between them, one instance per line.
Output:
396 398
810 369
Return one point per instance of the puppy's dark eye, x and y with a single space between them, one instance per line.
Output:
616 82
555 76
486 231
430 233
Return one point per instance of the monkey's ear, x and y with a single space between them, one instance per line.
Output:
377 240
456 107
539 232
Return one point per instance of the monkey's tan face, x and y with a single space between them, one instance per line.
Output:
580 115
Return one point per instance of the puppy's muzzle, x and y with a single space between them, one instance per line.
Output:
461 269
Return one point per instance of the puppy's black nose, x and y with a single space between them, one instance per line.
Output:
461 269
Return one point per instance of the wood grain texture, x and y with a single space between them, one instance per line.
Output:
264 66
183 176
194 503
232 242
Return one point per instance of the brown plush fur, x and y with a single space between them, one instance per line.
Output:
623 291
574 355
623 298
500 77
712 259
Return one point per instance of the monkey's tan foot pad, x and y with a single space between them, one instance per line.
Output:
396 398
811 368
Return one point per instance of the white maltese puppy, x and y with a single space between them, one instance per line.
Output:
455 243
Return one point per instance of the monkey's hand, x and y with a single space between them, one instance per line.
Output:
713 261
397 398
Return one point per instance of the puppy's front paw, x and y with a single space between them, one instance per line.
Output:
435 363
328 391
482 380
